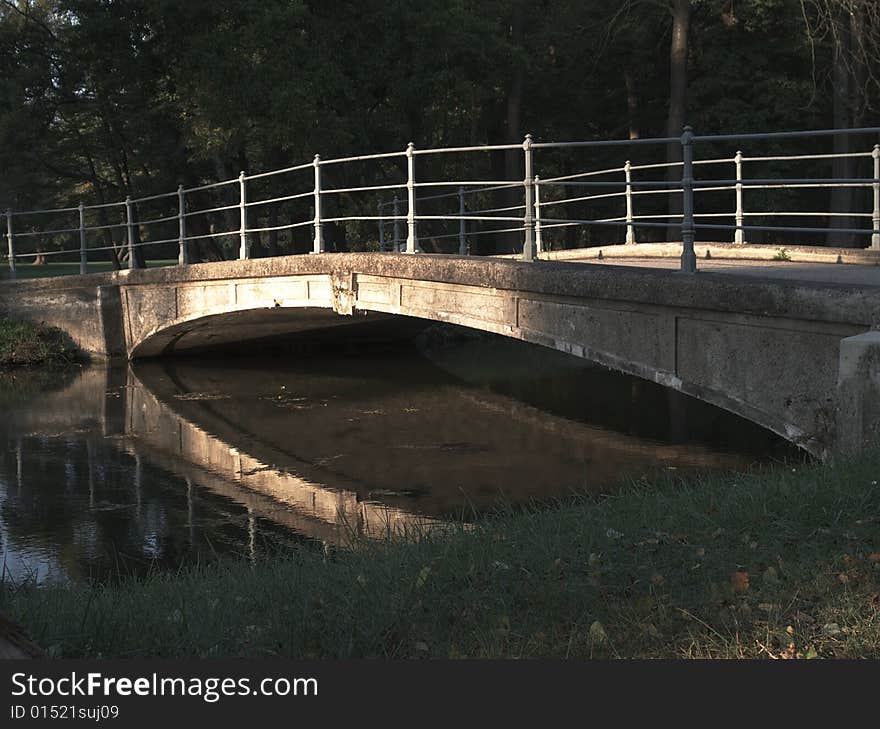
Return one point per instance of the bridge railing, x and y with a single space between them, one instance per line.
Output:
532 207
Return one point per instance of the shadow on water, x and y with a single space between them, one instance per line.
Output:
170 462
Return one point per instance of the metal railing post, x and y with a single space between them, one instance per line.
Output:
9 241
688 256
395 211
630 229
318 246
739 237
528 219
875 236
462 239
129 225
83 257
381 228
539 241
411 240
244 248
182 253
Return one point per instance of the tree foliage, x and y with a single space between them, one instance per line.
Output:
100 99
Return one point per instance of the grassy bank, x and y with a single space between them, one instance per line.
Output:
23 344
784 564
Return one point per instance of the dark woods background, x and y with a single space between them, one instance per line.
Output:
100 99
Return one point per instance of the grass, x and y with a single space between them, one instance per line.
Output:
779 564
68 268
23 344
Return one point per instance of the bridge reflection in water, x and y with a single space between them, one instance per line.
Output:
328 449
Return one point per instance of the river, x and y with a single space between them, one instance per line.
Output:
117 471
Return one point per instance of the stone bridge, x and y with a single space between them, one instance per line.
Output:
799 358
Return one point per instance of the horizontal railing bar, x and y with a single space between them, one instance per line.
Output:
658 192
478 148
667 216
31 234
212 235
498 210
210 185
465 217
783 229
43 253
715 188
295 168
18 213
716 161
298 196
581 199
784 157
473 183
369 188
505 186
106 227
287 226
162 241
361 158
97 206
607 143
583 174
753 181
821 215
475 233
806 184
359 217
157 220
550 222
211 210
780 229
616 183
784 135
153 197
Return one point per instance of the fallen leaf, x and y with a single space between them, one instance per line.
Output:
739 581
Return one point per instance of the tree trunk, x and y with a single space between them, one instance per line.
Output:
681 16
841 167
513 158
632 103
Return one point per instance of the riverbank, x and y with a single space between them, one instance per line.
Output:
782 564
23 344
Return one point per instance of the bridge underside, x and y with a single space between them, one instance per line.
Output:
768 351
245 329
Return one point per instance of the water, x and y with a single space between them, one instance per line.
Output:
120 471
